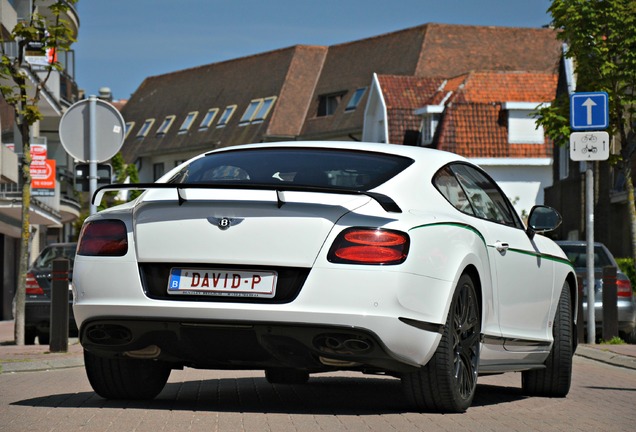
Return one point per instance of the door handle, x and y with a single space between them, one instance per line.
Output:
501 246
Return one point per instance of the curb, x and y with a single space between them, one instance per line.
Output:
606 356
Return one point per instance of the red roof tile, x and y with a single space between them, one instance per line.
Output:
474 123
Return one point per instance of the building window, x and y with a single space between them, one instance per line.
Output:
327 104
522 125
165 126
250 111
225 117
264 109
145 128
208 119
129 127
428 128
431 115
257 110
185 126
157 170
355 99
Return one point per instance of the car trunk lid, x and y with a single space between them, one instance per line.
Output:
237 226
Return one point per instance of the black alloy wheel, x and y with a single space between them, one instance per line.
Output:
447 383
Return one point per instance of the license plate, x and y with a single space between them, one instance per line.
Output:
219 282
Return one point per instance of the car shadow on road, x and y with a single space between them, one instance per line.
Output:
322 395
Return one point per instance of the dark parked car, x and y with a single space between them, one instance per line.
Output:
577 254
38 293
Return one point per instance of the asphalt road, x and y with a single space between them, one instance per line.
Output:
602 399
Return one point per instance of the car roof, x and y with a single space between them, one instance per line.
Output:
417 153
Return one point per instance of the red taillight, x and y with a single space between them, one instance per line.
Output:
369 246
103 238
32 285
623 288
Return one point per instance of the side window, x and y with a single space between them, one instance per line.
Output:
487 200
446 182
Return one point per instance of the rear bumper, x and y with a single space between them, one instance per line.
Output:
241 345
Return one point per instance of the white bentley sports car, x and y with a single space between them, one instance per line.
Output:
308 257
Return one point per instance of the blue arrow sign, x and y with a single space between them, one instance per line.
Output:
589 111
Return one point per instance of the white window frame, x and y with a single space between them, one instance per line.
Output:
188 121
208 119
165 125
128 128
264 109
145 128
250 111
227 114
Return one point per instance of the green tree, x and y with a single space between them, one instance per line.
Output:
51 33
600 36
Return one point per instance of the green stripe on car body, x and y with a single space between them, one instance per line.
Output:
476 231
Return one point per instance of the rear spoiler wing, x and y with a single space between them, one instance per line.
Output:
385 202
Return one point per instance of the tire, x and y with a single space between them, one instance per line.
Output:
447 383
286 376
123 378
555 379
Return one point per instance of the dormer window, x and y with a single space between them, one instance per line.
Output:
327 104
431 115
522 123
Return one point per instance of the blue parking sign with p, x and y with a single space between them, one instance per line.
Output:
589 111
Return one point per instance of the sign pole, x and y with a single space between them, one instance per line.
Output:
589 112
92 151
589 230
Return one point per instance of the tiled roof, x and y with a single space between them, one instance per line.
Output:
430 50
409 91
451 50
474 123
299 75
288 74
498 86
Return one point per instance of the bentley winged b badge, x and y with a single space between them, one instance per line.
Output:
224 222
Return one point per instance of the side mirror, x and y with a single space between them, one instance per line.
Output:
542 219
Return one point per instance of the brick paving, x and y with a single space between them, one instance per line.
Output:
601 399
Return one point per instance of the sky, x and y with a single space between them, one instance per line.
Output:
122 42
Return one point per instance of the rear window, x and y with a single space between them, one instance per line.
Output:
326 168
577 254
44 261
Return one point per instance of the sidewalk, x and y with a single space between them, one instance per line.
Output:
15 358
38 357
